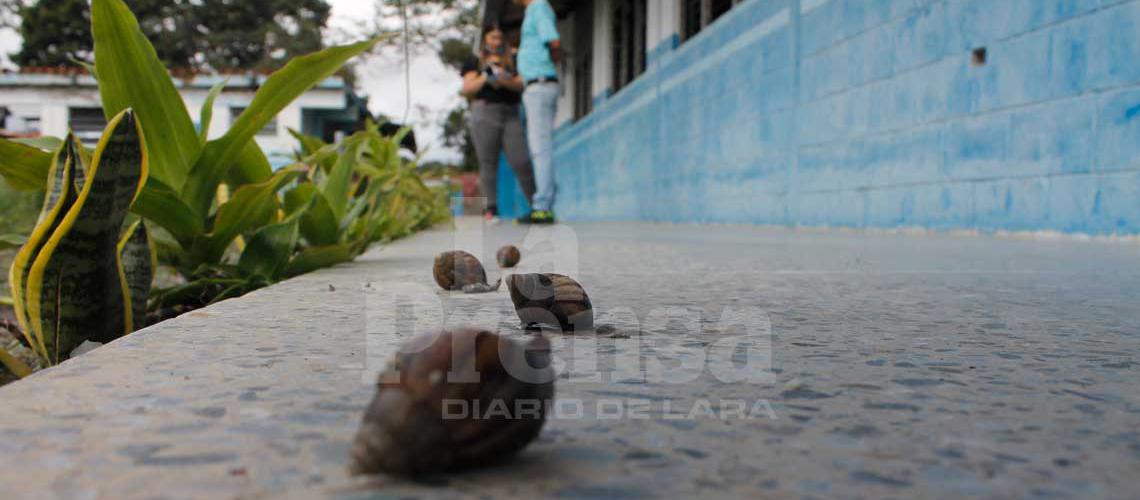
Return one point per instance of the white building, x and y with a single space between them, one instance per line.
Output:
48 101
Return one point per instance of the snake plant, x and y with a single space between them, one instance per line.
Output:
78 278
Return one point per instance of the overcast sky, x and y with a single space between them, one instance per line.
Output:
434 87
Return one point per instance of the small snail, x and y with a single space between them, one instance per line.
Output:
463 398
455 270
551 299
508 256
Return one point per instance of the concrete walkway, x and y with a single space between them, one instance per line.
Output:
874 366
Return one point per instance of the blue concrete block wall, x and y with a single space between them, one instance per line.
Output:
870 113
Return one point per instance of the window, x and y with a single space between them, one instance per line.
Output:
629 35
87 123
696 15
270 128
582 59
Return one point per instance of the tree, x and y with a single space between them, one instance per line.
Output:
457 136
430 22
189 34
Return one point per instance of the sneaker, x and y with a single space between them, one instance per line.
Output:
538 217
491 216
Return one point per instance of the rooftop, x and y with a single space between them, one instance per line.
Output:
183 79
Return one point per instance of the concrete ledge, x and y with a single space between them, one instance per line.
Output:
902 366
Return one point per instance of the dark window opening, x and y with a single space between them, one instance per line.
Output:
270 129
629 33
979 57
582 60
87 123
697 15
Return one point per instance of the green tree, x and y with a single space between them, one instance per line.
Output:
189 34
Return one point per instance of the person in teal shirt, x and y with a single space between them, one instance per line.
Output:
539 54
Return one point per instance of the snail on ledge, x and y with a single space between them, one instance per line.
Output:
463 398
459 270
553 300
508 257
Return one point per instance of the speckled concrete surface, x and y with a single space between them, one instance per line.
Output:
901 366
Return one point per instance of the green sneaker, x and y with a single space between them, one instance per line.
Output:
538 217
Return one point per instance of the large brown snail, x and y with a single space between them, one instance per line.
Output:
455 400
459 270
551 299
508 256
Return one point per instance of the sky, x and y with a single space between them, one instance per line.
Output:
434 88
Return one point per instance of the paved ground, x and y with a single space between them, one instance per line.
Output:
901 366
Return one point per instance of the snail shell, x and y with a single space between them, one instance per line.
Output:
508 256
551 299
455 270
416 424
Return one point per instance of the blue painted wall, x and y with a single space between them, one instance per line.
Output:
869 113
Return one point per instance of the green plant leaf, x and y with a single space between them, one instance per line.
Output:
312 259
10 241
280 89
251 207
269 250
207 113
44 143
299 197
319 224
311 146
160 204
24 167
251 167
338 185
137 266
75 290
132 76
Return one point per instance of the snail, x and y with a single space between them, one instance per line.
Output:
455 270
508 256
483 287
463 398
551 299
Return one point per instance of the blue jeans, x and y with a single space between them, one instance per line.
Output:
541 101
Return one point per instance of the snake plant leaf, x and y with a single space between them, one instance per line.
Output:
280 89
314 258
61 195
14 364
10 241
132 76
269 250
24 167
137 264
160 204
75 289
207 113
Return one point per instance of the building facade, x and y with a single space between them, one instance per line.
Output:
48 102
990 115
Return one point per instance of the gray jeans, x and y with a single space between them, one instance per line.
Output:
495 128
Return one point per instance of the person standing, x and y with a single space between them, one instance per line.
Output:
539 53
495 90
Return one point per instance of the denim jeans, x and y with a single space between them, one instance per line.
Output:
541 101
